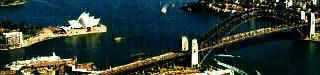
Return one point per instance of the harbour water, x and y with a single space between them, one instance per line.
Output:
145 30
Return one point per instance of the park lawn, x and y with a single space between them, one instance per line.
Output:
1 37
26 36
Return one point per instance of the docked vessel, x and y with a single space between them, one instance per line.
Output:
48 65
38 62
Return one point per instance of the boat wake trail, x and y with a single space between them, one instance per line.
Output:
50 5
46 3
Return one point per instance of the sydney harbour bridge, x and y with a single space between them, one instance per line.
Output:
225 32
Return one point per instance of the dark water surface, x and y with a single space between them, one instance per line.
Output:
146 30
280 57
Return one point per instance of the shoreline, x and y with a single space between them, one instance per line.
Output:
46 36
14 4
307 39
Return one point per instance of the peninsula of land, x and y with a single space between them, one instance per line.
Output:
21 35
8 3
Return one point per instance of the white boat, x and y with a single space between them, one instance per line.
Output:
164 10
118 38
173 5
258 73
223 55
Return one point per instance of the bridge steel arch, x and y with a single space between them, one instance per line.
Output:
220 30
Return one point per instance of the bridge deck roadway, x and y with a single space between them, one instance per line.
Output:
141 63
244 35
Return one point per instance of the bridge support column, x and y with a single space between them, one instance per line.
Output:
185 43
195 55
312 27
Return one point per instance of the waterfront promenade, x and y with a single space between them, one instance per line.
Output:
48 34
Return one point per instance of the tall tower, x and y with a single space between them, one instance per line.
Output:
312 26
185 43
195 55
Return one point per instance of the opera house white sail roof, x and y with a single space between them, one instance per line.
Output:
84 20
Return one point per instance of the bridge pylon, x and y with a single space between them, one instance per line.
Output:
312 34
185 44
195 54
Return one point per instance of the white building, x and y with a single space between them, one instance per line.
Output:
84 21
13 38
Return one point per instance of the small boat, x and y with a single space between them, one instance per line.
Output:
223 55
258 73
173 5
118 38
164 10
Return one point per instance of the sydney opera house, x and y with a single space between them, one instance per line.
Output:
85 23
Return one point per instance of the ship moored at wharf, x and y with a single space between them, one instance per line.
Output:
48 65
